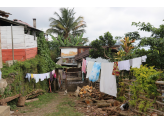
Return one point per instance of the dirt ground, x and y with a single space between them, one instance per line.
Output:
48 108
79 106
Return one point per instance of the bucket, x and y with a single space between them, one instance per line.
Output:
21 101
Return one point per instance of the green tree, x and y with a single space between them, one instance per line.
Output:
98 50
46 63
61 42
155 42
132 35
66 23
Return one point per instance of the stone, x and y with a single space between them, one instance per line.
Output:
11 112
2 90
4 110
10 62
3 83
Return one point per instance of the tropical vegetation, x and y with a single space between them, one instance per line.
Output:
66 23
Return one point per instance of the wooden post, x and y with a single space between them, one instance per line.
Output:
54 81
129 90
1 64
66 80
12 42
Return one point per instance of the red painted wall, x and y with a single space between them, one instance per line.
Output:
19 54
31 52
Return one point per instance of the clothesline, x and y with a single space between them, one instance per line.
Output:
48 75
109 71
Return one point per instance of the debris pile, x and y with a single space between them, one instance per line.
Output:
89 91
95 103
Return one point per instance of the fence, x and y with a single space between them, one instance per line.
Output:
158 105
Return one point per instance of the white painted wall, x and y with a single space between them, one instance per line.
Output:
67 51
21 40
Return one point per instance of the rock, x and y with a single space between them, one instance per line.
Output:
4 110
11 112
3 85
2 90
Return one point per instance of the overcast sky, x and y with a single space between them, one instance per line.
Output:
116 20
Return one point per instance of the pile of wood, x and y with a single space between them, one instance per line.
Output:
89 91
34 93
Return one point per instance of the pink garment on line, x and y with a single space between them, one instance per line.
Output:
55 75
83 66
53 72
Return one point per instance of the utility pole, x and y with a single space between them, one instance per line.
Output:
12 42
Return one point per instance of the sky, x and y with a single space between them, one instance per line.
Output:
99 19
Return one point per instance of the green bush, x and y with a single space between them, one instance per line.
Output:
144 85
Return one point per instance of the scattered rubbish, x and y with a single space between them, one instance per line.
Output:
154 114
65 92
124 107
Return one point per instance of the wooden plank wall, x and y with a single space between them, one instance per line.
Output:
80 50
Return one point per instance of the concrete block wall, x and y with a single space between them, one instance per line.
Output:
25 46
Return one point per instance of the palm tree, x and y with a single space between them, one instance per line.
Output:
66 23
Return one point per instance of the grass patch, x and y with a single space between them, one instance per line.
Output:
43 100
65 109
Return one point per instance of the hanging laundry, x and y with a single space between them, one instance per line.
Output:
94 75
28 75
32 76
86 63
124 65
130 61
107 80
47 75
143 58
89 68
115 69
83 66
36 77
136 62
42 76
55 75
53 72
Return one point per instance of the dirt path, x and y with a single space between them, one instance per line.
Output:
45 109
62 105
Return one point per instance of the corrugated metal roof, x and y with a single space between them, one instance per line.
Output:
86 53
23 23
18 23
3 12
87 46
76 47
